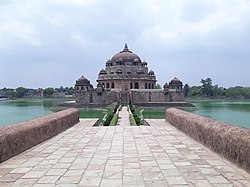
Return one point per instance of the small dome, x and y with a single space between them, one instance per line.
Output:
144 62
102 72
136 60
151 72
108 62
175 81
166 86
82 81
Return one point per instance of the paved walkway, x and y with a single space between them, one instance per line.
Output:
124 117
156 155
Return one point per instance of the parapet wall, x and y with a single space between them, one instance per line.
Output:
17 138
232 142
164 105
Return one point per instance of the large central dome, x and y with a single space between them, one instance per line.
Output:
126 56
125 71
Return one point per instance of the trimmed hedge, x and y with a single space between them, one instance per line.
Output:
111 116
114 120
132 120
108 119
137 115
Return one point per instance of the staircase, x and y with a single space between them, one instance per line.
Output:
124 98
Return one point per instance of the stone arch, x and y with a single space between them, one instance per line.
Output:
136 85
131 85
112 85
146 85
107 85
149 86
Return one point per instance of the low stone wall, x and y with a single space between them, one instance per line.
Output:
232 142
153 105
63 106
17 138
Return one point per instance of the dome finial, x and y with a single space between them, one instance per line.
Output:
126 47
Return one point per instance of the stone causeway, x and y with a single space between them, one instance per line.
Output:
121 156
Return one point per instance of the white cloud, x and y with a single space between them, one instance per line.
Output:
72 2
56 20
80 39
17 30
167 33
170 22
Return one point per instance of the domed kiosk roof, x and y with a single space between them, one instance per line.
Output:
102 72
82 81
151 72
175 81
126 56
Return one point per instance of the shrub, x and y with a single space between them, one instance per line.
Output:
108 119
111 115
114 120
137 115
132 120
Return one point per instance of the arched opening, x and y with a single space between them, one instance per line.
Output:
131 85
112 85
103 85
146 86
136 85
153 86
149 86
107 85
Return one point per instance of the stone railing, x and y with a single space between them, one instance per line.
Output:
17 138
232 142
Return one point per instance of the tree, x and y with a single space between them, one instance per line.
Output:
158 86
186 90
207 87
219 91
48 91
21 91
71 91
195 91
235 92
246 92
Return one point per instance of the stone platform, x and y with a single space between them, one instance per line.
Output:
156 155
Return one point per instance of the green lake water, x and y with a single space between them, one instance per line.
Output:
15 111
234 112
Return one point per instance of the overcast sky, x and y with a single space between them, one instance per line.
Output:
53 42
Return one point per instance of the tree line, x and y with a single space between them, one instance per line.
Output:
26 92
207 89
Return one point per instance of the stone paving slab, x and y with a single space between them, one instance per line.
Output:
145 156
123 117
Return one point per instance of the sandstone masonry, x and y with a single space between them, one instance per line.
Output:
230 141
17 138
126 79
